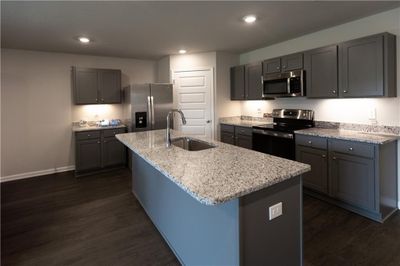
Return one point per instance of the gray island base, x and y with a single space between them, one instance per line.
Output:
209 224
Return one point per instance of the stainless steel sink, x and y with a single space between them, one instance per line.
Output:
191 144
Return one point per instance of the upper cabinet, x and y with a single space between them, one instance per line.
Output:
253 81
96 86
360 68
322 72
292 62
367 67
237 83
283 64
246 82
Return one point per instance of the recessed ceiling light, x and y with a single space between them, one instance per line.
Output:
182 51
84 39
249 19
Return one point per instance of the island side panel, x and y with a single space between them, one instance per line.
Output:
272 242
198 234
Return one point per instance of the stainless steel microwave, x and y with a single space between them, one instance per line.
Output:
288 84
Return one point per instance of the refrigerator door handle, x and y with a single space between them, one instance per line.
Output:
152 111
149 109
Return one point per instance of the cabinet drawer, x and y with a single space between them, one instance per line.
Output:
352 148
94 134
247 131
311 141
113 132
228 128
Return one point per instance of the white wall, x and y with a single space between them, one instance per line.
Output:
341 110
37 109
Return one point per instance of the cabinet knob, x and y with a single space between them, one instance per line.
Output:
350 149
309 142
283 66
323 156
98 142
334 91
233 137
344 91
105 141
88 135
333 158
102 99
277 67
96 100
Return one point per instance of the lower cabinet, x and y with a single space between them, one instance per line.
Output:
317 179
97 150
237 135
360 177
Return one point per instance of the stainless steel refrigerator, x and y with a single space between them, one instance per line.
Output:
146 106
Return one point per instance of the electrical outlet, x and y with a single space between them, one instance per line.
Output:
275 211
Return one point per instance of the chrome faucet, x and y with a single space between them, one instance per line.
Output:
168 133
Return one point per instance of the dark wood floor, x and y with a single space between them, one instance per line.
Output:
60 220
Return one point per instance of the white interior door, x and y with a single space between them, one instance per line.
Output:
193 95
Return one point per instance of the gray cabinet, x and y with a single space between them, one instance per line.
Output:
238 83
367 67
96 86
253 81
271 66
88 155
85 84
317 179
283 64
360 177
109 86
237 135
321 66
97 150
292 62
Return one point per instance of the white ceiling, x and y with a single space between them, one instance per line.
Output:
155 29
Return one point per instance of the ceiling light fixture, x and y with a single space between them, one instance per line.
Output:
182 51
249 19
84 39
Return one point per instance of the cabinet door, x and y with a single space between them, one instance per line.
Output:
113 152
352 180
292 62
110 86
85 84
88 155
317 178
321 71
272 66
253 79
237 83
244 141
227 137
361 67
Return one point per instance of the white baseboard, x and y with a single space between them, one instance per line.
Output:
37 173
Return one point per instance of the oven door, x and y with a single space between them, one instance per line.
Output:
275 143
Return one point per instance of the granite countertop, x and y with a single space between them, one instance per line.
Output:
236 121
216 175
353 135
89 128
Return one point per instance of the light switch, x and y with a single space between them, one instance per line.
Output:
275 211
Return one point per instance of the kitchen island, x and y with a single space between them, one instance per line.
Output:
213 206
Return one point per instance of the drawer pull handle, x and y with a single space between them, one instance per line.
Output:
350 149
88 135
309 142
323 156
